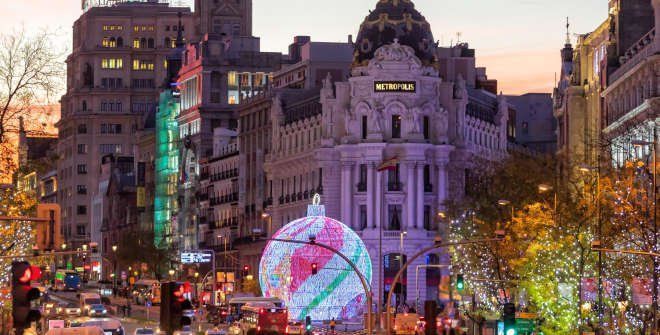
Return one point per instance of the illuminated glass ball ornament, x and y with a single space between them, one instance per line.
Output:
335 291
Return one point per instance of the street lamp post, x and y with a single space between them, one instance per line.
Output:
401 235
114 268
599 228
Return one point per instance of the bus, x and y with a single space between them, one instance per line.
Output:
263 318
235 304
66 280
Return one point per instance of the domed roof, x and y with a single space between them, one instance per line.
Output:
390 20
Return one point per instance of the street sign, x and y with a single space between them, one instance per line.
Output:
196 257
523 315
148 303
525 325
124 275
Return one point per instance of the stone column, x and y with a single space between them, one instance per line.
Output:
379 199
410 196
370 196
442 187
420 196
346 193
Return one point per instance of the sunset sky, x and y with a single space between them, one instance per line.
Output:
517 40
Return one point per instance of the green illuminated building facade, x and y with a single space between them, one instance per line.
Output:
167 168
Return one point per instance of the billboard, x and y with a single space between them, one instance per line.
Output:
196 257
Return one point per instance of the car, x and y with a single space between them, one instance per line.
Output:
144 331
295 328
215 331
97 310
72 309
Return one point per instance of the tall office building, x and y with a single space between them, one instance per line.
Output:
114 74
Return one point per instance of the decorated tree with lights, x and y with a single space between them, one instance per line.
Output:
16 237
629 207
547 249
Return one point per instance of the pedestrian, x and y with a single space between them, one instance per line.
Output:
333 324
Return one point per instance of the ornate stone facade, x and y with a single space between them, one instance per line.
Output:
432 122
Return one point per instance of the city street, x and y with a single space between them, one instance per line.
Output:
389 167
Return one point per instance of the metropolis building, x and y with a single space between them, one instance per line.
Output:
425 111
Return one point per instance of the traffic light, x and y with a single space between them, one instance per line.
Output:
246 270
308 324
22 295
315 268
173 303
509 318
460 283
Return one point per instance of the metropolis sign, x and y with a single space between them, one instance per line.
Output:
396 86
196 257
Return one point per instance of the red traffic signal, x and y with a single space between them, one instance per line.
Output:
315 268
246 270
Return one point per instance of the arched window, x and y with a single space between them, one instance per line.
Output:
84 105
104 106
143 42
151 43
168 42
119 106
120 42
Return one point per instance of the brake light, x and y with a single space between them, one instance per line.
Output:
287 329
261 311
258 328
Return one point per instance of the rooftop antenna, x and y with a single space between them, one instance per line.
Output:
568 33
458 37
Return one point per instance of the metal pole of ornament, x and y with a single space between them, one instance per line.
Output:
363 280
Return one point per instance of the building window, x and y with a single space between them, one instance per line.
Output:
428 187
82 169
364 127
113 28
363 217
82 148
110 148
110 128
394 217
151 43
82 128
82 189
143 65
109 42
80 230
81 210
426 127
393 180
396 126
136 43
362 185
112 63
189 96
427 218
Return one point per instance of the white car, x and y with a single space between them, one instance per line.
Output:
215 331
144 331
